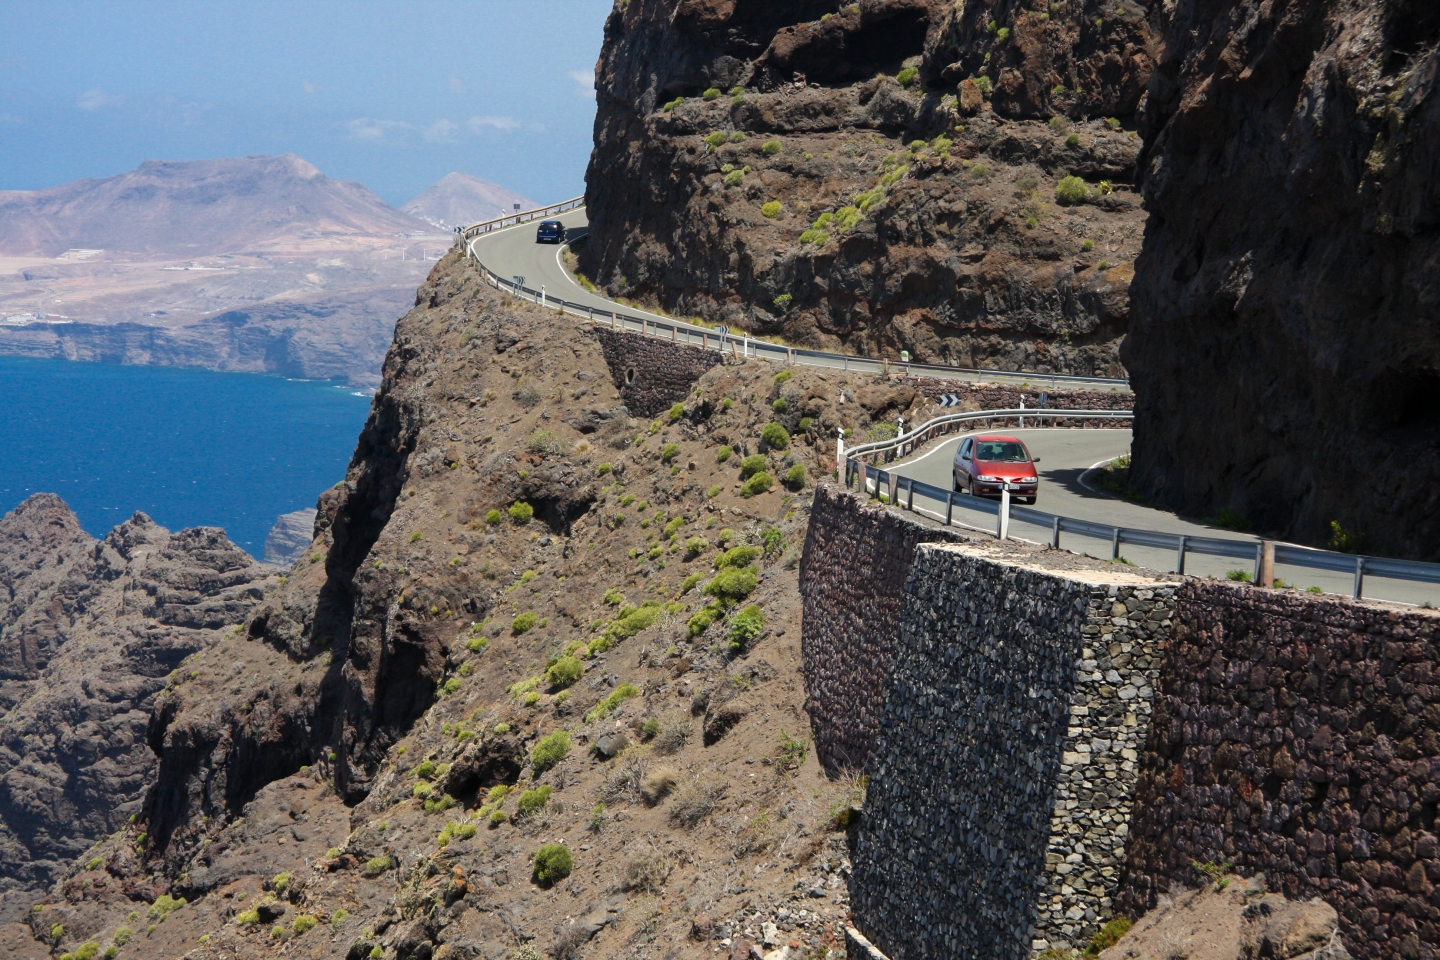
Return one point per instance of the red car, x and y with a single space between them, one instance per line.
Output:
984 462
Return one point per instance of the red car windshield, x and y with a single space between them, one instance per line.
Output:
1001 451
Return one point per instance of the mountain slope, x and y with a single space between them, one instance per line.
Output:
458 200
200 206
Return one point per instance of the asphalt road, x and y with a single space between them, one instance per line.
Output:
1065 453
1065 456
512 252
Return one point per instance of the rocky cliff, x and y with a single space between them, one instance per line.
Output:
877 176
90 632
1284 347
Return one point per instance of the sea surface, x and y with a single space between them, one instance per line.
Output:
187 447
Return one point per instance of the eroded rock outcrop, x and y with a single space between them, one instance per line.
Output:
800 203
1284 351
92 631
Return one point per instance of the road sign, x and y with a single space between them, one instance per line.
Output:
1044 399
949 400
723 330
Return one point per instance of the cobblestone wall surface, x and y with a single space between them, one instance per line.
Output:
652 374
1298 737
1004 396
996 812
852 575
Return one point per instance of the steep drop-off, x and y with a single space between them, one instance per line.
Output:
91 631
1285 349
878 176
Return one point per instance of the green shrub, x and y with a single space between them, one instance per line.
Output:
741 556
983 82
1103 265
703 617
1073 140
166 905
374 867
608 706
1003 34
87 951
454 830
1109 935
783 376
553 863
757 485
676 412
815 237
451 686
494 517
711 94
713 492
125 934
425 769
782 303
521 512
942 146
669 452
907 76
733 584
780 405
303 923
421 789
746 627
532 800
1239 576
564 672
775 436
689 582
246 917
737 137
752 465
550 751
1087 246
795 476
631 621
771 147
714 140
1071 191
734 178
671 105
614 597
95 863
521 687
523 622
771 210
695 546
1113 123
724 453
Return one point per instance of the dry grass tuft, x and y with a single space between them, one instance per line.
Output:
695 801
647 871
658 784
674 733
627 778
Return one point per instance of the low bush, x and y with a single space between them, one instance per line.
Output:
780 405
733 584
455 830
771 210
564 672
669 452
612 702
782 303
303 923
712 93
752 465
494 517
694 547
1073 140
375 866
553 863
741 556
533 800
771 147
1108 935
714 140
757 485
814 237
1071 191
671 105
689 582
795 476
745 627
676 412
524 622
166 905
550 751
907 77
724 453
734 178
521 512
703 618
983 82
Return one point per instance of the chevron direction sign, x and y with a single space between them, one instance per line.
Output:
949 400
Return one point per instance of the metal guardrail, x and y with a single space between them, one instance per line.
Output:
899 445
743 345
902 491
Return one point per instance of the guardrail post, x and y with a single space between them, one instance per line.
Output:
1115 544
1055 534
1266 577
910 484
1180 554
893 485
1359 576
949 506
1002 520
1259 563
643 322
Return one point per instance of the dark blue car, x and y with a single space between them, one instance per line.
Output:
550 231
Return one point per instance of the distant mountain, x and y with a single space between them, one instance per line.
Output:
199 206
458 199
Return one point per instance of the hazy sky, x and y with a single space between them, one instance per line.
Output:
394 95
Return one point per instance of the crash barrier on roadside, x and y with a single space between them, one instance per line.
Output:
1262 554
741 345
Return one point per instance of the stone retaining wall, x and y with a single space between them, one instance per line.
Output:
852 575
1004 396
1000 776
652 374
1299 737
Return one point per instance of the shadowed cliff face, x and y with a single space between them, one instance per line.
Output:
1286 345
92 629
953 248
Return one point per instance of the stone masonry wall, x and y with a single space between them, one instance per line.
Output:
852 575
1298 737
652 374
1009 732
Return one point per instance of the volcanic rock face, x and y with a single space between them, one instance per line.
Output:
90 632
1284 352
954 249
289 537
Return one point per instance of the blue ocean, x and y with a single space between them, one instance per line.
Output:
188 447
